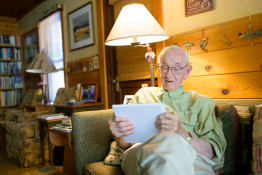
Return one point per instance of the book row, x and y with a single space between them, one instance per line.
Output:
10 54
10 67
9 98
10 39
15 81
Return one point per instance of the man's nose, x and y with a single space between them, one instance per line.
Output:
169 73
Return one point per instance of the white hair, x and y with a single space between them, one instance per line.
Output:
174 48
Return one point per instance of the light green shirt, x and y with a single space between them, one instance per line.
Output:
196 113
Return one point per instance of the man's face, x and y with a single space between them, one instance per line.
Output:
171 81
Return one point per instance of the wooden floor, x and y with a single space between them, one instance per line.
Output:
11 166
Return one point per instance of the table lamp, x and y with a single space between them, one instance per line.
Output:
136 26
42 64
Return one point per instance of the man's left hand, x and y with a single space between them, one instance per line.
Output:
169 122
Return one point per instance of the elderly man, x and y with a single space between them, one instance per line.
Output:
190 142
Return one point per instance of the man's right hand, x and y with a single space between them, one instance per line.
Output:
121 126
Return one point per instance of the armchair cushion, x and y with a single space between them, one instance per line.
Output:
21 130
23 144
99 168
63 95
113 157
232 132
246 114
257 142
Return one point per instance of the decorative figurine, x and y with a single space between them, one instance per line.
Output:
250 34
223 38
187 45
204 42
175 42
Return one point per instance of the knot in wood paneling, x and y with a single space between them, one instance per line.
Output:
208 68
225 91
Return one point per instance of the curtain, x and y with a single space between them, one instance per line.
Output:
50 37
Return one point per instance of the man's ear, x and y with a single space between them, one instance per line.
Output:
188 71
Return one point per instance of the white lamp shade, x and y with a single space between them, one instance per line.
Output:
41 64
135 21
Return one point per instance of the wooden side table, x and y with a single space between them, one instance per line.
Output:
60 138
36 108
48 124
70 109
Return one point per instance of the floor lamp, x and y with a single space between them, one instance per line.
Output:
136 26
42 64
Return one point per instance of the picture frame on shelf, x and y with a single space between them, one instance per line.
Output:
80 23
88 93
127 98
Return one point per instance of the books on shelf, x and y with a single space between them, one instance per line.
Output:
11 97
10 54
10 67
10 39
62 127
52 116
17 81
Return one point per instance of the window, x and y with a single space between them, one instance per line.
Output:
50 37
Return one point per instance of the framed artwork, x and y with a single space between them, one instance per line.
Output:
127 99
88 93
193 7
30 42
80 23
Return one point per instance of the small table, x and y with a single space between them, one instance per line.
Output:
70 109
60 138
36 108
48 124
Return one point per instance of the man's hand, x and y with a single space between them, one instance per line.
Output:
121 126
169 122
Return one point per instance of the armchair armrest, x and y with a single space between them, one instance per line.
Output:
91 137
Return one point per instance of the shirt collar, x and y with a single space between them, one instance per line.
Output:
173 94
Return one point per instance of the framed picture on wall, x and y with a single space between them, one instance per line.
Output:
80 23
88 93
193 7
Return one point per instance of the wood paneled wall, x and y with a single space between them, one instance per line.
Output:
224 71
78 76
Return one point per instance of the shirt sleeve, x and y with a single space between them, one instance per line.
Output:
209 129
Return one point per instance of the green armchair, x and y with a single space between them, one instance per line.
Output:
91 143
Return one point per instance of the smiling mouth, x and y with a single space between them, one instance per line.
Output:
169 81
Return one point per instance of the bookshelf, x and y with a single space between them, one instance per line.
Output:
11 66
